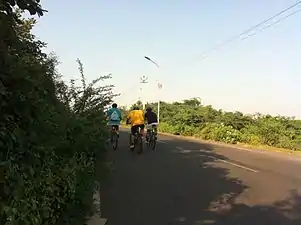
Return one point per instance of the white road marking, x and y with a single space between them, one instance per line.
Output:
240 166
243 149
186 151
217 159
207 151
160 141
231 163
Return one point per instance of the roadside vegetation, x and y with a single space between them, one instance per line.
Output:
52 133
191 118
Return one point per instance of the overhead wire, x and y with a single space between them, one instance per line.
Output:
205 54
234 38
272 24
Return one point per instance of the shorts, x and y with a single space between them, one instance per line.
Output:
152 125
116 127
114 124
135 128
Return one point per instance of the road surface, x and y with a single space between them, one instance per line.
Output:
189 182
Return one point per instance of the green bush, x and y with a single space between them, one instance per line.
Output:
220 132
251 139
271 131
191 118
52 134
166 128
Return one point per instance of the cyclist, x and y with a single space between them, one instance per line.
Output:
136 119
114 117
152 121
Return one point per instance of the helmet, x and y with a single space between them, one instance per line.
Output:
114 105
149 109
135 108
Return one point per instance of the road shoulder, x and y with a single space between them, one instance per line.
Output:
240 146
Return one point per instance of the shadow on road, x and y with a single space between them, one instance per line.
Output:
284 212
183 186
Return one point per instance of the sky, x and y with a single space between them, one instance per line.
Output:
258 74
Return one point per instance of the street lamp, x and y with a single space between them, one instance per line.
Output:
149 59
158 83
143 80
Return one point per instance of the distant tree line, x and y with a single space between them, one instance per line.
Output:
191 118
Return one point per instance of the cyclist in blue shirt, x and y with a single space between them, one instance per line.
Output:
114 117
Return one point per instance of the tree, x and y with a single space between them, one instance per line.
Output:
191 118
32 6
195 102
52 135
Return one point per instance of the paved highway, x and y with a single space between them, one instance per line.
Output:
189 182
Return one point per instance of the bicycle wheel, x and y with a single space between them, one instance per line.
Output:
139 144
114 139
148 138
152 141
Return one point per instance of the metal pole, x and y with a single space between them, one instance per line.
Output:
159 87
139 98
158 110
143 80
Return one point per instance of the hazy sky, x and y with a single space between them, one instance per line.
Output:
259 74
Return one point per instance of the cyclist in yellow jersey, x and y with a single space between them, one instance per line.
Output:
136 119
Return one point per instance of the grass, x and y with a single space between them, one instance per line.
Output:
242 145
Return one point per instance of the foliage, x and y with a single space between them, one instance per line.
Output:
52 134
191 118
32 6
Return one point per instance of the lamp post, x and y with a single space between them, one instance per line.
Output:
159 85
143 80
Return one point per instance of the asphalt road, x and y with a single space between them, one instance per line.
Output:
188 182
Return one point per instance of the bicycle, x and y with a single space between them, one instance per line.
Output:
138 141
114 138
152 137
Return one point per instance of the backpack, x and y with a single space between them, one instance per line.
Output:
115 116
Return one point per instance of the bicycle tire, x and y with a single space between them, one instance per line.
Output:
139 144
152 142
114 138
148 139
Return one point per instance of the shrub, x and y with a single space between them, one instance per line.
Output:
167 128
194 119
220 132
51 134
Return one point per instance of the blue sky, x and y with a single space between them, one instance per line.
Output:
259 74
